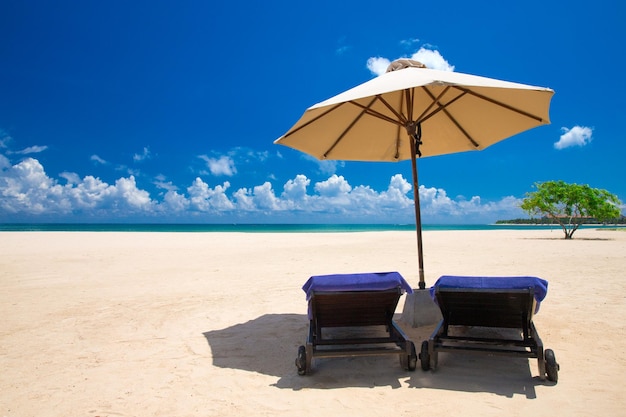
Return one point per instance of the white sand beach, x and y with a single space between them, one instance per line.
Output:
208 324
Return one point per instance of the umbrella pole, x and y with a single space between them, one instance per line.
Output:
418 215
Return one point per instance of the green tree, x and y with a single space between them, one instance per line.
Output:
571 204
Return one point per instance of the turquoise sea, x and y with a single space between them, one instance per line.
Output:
259 228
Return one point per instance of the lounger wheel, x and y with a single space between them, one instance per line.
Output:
412 358
425 356
301 360
409 362
552 367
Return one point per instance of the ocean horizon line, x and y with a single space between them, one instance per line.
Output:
263 227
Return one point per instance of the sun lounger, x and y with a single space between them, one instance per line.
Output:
352 315
471 304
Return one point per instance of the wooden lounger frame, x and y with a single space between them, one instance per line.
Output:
492 308
354 309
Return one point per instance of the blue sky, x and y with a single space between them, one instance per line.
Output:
155 111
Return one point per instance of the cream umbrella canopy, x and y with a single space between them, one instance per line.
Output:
410 112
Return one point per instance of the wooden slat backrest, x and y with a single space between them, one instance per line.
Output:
354 308
486 307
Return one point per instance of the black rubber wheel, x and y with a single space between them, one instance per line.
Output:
412 358
552 367
425 356
301 360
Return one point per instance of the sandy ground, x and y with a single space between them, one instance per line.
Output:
208 324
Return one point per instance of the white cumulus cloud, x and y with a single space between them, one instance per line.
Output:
264 197
432 59
224 165
378 65
98 160
204 198
296 189
576 136
32 149
176 203
138 157
334 186
429 57
26 190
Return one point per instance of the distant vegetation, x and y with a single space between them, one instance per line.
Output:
548 221
572 205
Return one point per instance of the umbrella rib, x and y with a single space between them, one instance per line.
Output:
442 107
400 121
435 101
499 103
314 119
356 119
476 144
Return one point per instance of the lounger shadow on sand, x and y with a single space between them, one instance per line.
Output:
257 345
265 345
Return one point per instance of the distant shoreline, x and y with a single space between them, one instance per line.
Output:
270 228
587 225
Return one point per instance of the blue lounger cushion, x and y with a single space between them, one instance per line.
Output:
539 285
373 281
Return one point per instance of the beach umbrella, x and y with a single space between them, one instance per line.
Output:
412 111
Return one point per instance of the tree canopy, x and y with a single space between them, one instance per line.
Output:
570 205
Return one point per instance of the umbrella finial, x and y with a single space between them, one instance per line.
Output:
399 64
